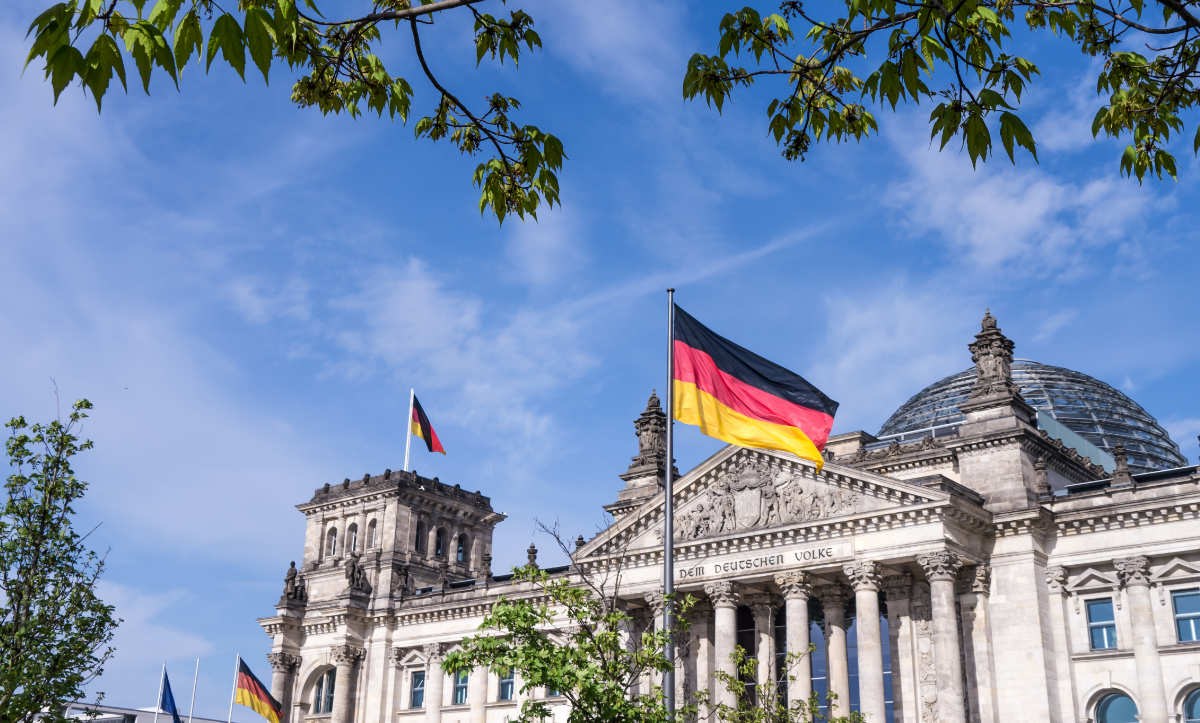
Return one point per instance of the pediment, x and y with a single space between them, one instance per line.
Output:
740 490
1092 579
1176 569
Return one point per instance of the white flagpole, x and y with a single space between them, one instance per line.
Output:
412 394
669 514
158 701
195 677
233 693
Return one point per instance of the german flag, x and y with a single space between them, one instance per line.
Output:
250 692
422 428
735 395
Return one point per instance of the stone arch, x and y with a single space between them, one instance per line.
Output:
315 672
1180 696
331 541
351 543
372 534
1098 693
462 549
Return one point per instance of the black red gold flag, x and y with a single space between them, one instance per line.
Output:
250 692
424 430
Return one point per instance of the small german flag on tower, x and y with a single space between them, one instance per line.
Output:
423 429
250 692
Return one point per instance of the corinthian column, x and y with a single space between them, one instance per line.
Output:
345 658
833 602
897 589
864 578
941 569
283 677
796 589
434 677
1134 574
764 633
724 601
656 601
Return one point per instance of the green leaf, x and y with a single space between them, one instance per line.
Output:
102 59
188 38
260 37
65 64
164 12
226 35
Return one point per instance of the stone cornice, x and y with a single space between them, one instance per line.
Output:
1131 513
1036 520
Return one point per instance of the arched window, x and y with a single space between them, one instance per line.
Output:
461 554
371 541
1116 708
331 542
352 538
422 537
323 695
439 544
1191 707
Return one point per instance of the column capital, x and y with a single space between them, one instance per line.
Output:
834 595
1133 570
794 585
434 651
283 662
863 575
656 601
897 587
1056 578
345 655
759 602
940 566
722 594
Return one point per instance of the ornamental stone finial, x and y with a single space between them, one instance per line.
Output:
283 662
863 574
897 587
651 430
722 594
1133 570
941 565
992 353
531 554
1122 474
794 585
1056 578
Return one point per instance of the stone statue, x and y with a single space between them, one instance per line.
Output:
651 430
992 353
769 504
293 586
723 505
356 575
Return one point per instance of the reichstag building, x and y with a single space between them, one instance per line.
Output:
1018 542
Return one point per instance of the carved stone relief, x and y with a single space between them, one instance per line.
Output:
927 688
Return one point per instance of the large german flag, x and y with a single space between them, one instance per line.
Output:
423 429
735 395
250 692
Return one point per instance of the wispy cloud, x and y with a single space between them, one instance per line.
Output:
1054 323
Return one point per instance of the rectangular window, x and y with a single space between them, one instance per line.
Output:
506 685
460 688
1102 626
552 692
416 698
1187 615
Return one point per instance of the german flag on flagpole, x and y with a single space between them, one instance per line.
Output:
735 395
424 430
250 692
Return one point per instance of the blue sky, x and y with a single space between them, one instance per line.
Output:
247 291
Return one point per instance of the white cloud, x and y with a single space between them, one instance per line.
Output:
143 637
258 303
1054 323
1067 126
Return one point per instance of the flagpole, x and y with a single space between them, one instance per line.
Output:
158 701
669 515
412 394
233 693
195 677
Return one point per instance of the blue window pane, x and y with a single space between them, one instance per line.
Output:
1191 707
1098 639
417 699
1100 611
1116 708
1188 629
460 688
1187 602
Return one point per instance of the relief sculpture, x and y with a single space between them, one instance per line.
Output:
922 613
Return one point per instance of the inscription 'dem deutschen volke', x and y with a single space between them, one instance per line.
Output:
756 563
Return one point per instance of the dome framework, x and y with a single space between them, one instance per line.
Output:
1087 406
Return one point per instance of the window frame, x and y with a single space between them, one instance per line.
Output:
506 678
324 692
1107 626
372 535
413 703
1192 619
461 688
352 538
331 542
1193 696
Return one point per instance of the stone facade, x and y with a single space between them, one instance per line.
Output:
981 564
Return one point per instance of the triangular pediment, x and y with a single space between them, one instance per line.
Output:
1176 569
1092 579
739 490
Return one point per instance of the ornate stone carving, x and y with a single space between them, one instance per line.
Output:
897 587
927 686
401 580
1056 579
794 584
863 574
433 652
283 662
655 601
760 603
531 555
356 575
941 565
721 594
835 595
1041 479
294 589
992 353
345 655
1122 474
981 580
1133 570
651 430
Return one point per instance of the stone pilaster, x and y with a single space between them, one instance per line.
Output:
1056 581
941 569
283 679
434 681
1134 574
833 602
724 600
864 578
477 695
974 588
345 658
897 589
796 590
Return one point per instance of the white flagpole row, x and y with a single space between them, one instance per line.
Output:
158 701
412 394
195 677
669 513
233 693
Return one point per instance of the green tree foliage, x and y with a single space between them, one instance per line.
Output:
54 631
830 69
336 64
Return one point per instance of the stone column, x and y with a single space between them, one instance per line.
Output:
1134 573
656 602
283 679
897 589
796 590
702 652
477 694
974 586
864 577
434 678
941 569
1056 582
724 601
764 635
345 658
833 603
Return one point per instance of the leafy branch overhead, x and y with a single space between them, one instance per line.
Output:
956 55
338 69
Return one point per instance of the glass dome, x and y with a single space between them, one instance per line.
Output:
1089 407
